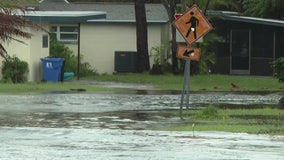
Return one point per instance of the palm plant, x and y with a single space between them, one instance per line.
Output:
207 57
12 24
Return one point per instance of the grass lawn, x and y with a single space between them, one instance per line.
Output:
10 88
198 82
163 82
255 121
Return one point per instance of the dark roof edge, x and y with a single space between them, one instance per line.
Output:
80 17
102 21
234 16
270 22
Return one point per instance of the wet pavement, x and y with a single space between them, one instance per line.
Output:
118 126
69 143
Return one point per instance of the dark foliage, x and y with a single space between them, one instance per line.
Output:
12 24
59 50
14 70
278 66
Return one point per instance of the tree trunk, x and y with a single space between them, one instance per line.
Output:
170 6
141 36
174 42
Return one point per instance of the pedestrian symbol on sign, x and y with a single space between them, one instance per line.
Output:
194 23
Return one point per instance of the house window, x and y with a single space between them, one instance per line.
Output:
44 41
65 33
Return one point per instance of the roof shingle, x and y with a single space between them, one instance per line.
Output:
115 11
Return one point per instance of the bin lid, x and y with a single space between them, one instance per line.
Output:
52 59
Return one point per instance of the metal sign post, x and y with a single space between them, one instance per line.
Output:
192 25
186 86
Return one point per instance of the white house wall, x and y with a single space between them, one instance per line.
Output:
99 42
36 53
22 51
31 52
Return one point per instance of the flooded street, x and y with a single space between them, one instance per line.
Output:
118 126
70 143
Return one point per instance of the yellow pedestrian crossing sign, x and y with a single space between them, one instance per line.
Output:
192 25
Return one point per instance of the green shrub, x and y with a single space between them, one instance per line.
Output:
207 57
15 70
87 70
59 50
210 112
161 63
158 53
278 66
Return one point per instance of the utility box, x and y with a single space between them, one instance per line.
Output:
125 61
52 69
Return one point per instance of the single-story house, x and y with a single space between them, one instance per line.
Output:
99 30
248 45
94 30
38 46
98 39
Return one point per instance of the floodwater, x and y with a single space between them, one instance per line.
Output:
73 126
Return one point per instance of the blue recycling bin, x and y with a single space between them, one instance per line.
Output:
52 69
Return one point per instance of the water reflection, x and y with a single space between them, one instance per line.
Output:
125 111
118 102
